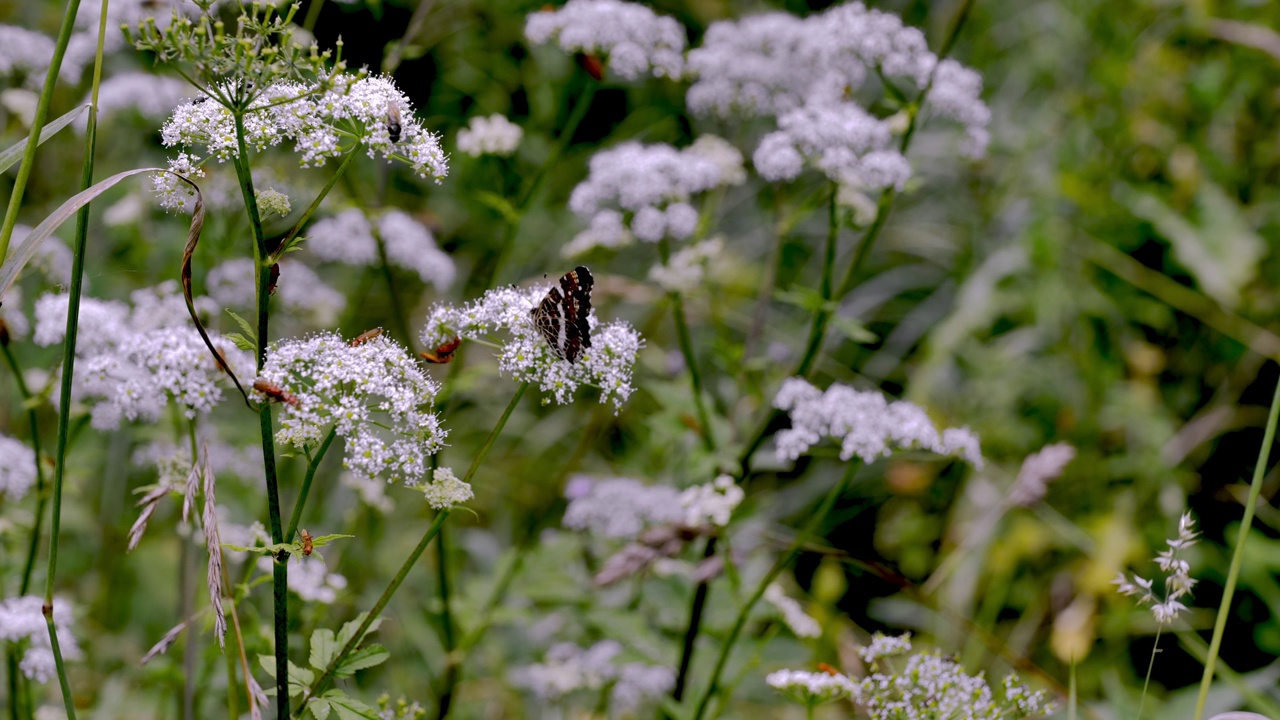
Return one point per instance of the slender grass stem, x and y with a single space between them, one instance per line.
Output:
781 564
690 360
450 671
28 567
312 466
1237 556
326 677
1151 666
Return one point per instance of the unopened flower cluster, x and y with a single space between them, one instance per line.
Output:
374 394
492 135
17 468
133 361
865 423
351 238
644 191
775 64
527 356
568 668
22 621
371 111
1177 581
630 37
930 686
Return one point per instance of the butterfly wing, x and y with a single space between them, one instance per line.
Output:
561 317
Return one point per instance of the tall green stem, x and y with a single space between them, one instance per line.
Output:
312 465
397 308
450 675
820 318
785 560
37 122
326 677
690 360
1237 556
279 568
315 204
41 493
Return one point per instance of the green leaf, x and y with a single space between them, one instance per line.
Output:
500 205
348 630
241 341
319 708
291 548
323 540
14 152
349 708
323 647
249 332
854 330
365 657
268 663
806 298
300 679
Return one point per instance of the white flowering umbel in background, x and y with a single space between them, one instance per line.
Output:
865 423
22 622
298 289
630 38
17 468
373 395
351 237
492 135
525 354
1177 580
644 191
568 669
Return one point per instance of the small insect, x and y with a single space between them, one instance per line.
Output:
393 121
275 392
308 543
592 64
823 667
561 317
443 354
365 337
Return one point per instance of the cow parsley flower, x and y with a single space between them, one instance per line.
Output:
1177 580
866 424
351 237
527 356
631 37
17 468
568 668
645 189
620 507
445 489
841 140
811 688
686 270
492 135
299 289
22 621
712 503
353 112
883 646
374 394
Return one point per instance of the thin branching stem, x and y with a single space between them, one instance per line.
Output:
690 360
312 465
42 498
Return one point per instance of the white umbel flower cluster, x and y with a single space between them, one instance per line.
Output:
351 238
354 109
21 620
132 362
445 489
17 468
492 135
865 423
299 289
776 63
568 668
619 507
526 356
643 191
1177 581
374 394
712 503
842 140
630 37
687 267
883 646
310 580
811 688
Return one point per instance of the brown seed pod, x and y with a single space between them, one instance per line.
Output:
365 337
443 354
275 392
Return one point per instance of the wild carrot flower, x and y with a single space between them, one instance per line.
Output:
1177 581
21 621
17 468
351 237
630 37
527 356
492 135
374 395
865 423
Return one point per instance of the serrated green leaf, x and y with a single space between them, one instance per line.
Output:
249 331
365 657
323 647
323 540
268 663
241 341
349 708
349 629
319 708
300 679
291 548
500 205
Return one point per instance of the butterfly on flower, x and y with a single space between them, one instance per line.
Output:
561 317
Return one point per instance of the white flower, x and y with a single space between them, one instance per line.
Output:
568 668
299 289
21 620
349 238
445 489
631 37
883 646
374 394
841 140
527 356
687 268
933 686
866 424
172 193
372 491
492 135
712 503
811 688
800 622
620 507
25 52
151 96
310 580
17 468
723 154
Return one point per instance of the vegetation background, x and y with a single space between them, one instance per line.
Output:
1105 277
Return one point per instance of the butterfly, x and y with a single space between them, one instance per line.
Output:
561 317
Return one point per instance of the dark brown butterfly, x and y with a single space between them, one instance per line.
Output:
561 317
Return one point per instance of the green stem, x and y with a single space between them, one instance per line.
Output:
822 316
1151 665
322 682
781 564
690 360
1237 556
397 308
306 483
450 673
41 492
279 568
37 122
